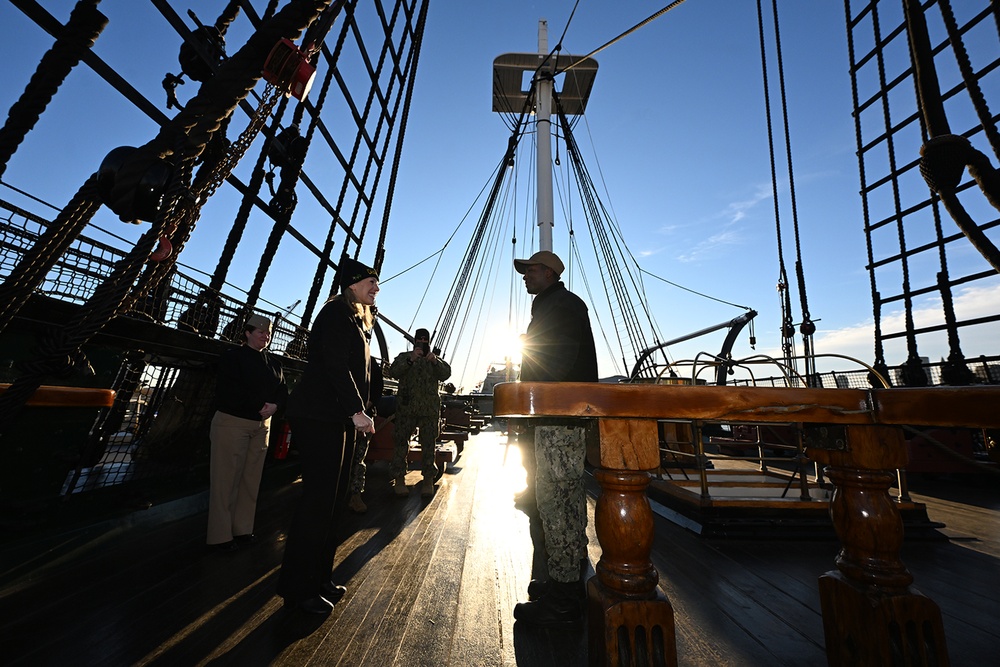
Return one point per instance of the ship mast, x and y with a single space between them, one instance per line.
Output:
508 97
543 136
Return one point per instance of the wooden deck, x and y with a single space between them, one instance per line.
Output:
433 582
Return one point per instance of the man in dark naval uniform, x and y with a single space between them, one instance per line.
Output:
558 347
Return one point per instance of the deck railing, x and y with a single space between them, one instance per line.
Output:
871 614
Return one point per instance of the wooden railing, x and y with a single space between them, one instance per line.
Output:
871 614
68 397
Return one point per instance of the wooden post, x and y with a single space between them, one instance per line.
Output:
630 621
871 614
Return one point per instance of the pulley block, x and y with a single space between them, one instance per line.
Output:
205 42
163 250
288 148
288 68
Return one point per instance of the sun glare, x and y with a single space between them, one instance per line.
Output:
509 345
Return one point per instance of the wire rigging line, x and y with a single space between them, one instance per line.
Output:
450 238
688 289
628 32
787 328
610 246
456 294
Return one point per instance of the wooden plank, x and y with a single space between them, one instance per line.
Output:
748 617
478 636
430 635
939 406
150 595
945 406
380 590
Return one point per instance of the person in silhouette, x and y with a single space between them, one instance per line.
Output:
327 410
557 347
249 389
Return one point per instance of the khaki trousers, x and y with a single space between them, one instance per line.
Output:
239 448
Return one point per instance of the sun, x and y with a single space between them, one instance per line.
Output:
511 346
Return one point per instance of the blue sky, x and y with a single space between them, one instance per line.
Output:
675 135
676 131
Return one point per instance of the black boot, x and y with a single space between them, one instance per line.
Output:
537 588
561 604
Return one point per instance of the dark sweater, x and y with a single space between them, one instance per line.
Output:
247 380
559 343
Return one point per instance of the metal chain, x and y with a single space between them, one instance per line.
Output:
217 176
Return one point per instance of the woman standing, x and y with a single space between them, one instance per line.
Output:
249 389
326 411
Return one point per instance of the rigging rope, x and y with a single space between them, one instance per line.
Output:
807 327
628 32
185 138
413 61
603 243
283 203
204 313
457 292
879 363
787 326
322 266
944 156
81 31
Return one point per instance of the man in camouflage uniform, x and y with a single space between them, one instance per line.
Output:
418 406
558 347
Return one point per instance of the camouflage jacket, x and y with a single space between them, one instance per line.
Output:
418 384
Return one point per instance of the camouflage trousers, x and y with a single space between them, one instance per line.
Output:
358 467
427 436
561 498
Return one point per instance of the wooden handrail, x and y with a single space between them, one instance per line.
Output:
69 397
933 406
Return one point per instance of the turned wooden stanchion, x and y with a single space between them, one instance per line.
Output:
630 621
871 614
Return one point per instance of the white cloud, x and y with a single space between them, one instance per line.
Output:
857 341
708 246
736 211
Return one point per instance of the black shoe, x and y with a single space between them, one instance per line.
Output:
331 592
314 605
560 606
224 547
245 540
538 588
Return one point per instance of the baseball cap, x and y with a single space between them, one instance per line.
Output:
543 257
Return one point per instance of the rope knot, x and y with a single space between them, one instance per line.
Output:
132 181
